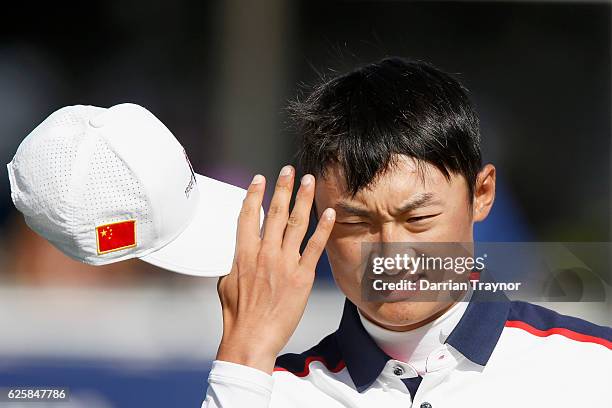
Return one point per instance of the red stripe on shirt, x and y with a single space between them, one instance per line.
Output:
570 334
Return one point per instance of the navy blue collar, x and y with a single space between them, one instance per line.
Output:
475 336
363 358
478 331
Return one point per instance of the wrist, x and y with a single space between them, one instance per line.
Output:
247 355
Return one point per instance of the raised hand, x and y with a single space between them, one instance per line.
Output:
264 296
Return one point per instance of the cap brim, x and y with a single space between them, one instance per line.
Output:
206 246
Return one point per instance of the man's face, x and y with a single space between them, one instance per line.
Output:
405 204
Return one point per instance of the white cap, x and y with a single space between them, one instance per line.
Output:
104 185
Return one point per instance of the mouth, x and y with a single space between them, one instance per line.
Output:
407 286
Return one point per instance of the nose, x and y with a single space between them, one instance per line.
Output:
396 241
392 232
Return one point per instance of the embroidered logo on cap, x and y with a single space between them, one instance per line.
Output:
116 236
192 179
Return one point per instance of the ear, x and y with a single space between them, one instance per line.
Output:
484 193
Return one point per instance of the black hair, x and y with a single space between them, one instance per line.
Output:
363 119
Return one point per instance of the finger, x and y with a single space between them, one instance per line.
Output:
317 242
297 224
276 219
248 220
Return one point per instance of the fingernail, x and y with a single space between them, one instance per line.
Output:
257 179
329 214
285 171
306 180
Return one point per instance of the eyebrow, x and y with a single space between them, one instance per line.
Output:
421 200
352 210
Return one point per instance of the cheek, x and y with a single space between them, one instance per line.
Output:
343 253
460 223
345 260
456 226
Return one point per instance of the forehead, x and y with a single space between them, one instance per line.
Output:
405 177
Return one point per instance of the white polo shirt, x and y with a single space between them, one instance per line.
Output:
500 353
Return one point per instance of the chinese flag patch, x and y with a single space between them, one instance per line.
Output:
116 236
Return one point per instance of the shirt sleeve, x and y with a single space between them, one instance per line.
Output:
232 385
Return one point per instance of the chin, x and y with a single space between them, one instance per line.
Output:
402 313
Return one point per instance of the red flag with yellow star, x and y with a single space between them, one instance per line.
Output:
116 236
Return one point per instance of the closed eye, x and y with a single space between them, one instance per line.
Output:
354 223
421 217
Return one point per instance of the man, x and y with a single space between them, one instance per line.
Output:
394 147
